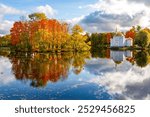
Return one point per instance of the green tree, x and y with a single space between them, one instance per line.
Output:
142 39
100 40
5 40
37 16
138 28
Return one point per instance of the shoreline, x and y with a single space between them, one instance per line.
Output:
62 51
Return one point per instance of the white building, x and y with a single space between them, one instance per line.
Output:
119 40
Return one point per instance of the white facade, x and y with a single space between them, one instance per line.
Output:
119 40
129 42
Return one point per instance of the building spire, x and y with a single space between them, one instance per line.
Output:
116 29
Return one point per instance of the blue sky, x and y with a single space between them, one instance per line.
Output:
66 9
92 15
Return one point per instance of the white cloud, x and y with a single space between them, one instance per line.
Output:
75 20
47 9
107 14
1 17
100 21
9 10
125 81
5 25
118 7
6 75
146 2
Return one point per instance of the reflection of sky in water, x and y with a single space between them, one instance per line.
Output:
5 71
100 79
126 81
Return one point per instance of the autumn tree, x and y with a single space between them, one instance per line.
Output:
20 36
39 35
78 40
37 16
142 39
77 29
5 40
109 37
42 34
131 33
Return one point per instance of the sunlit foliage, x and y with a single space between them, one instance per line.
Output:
39 35
5 40
43 34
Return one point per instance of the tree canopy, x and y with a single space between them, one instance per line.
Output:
37 16
78 40
142 38
77 29
42 34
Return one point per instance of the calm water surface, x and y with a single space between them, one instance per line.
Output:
103 75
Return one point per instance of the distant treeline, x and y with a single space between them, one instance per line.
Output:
141 38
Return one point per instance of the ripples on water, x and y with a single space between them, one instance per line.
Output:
102 75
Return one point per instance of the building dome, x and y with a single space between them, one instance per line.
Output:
119 34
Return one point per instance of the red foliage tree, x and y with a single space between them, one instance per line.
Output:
131 33
108 36
52 27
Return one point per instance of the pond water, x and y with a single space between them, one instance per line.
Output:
102 75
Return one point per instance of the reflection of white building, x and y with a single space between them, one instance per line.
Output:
119 40
128 54
119 56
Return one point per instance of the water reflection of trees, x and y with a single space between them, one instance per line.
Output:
41 68
101 53
79 61
4 51
142 58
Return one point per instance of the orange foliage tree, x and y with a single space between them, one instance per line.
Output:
47 34
131 33
108 36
